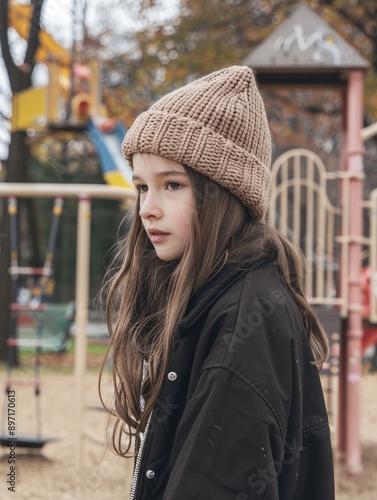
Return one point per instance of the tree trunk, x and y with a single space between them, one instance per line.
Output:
18 161
16 172
5 291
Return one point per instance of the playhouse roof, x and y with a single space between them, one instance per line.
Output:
305 44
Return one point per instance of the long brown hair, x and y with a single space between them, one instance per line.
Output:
147 297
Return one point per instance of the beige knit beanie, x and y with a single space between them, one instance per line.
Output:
216 125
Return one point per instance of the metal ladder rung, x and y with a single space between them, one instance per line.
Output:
22 382
30 271
27 307
35 343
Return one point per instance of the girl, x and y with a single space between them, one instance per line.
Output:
215 348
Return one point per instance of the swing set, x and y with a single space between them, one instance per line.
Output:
84 193
39 281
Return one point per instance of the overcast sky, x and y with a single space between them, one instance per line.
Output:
57 19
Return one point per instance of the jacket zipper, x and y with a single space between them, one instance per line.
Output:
143 438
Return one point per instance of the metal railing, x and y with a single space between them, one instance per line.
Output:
302 210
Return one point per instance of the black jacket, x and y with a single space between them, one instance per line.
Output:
241 415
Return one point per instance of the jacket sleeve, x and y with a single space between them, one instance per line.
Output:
228 445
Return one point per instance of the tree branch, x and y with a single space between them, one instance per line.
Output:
7 94
35 28
4 117
8 60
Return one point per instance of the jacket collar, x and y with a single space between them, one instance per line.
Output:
221 281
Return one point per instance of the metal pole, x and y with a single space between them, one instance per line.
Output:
342 282
369 132
354 331
81 318
45 190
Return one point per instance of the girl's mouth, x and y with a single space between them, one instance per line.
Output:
157 236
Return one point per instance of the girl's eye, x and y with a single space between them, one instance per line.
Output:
142 188
173 186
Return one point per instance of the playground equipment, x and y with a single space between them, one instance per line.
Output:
70 102
84 193
304 51
107 136
20 17
300 204
35 307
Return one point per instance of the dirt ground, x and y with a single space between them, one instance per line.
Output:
51 473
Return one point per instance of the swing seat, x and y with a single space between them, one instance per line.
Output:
26 441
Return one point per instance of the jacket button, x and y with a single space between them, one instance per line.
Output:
150 474
172 376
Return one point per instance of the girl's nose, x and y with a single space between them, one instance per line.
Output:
150 206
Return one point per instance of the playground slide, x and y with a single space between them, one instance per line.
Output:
115 169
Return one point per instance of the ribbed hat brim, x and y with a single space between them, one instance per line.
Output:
171 135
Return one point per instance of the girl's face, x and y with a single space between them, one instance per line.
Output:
166 203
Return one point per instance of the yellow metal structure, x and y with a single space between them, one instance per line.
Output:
35 107
19 18
115 178
29 109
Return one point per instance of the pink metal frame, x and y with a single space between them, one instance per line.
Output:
351 352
